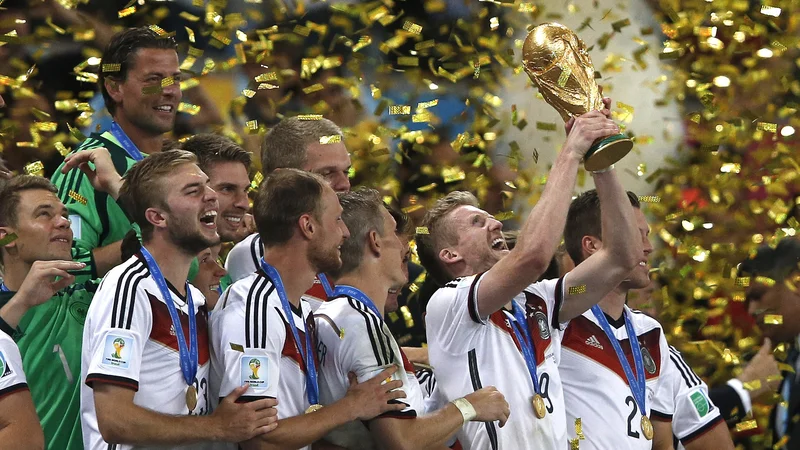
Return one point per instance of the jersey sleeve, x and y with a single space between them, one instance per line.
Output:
552 292
367 350
12 378
250 352
119 323
683 397
452 318
243 258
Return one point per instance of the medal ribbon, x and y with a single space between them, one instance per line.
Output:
323 280
637 383
357 294
522 332
308 356
126 142
188 353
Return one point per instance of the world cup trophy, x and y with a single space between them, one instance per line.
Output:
254 366
557 62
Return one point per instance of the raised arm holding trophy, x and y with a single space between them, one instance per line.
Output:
557 62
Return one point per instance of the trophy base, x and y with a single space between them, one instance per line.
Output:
607 151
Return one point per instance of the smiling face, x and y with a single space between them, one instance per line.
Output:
480 239
42 228
191 210
230 181
209 274
153 114
640 277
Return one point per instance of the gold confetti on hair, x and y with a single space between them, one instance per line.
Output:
35 168
332 139
111 67
309 116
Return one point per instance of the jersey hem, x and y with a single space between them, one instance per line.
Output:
13 389
111 379
701 431
661 417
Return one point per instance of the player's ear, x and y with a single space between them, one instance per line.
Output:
307 226
156 217
590 245
7 238
450 256
374 242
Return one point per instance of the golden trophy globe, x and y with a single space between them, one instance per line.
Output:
557 62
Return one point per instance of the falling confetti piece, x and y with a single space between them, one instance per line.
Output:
412 27
649 199
35 168
78 197
747 425
399 109
126 12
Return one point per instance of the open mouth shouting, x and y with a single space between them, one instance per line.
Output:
209 219
499 244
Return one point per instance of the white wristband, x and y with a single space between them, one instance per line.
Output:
465 408
744 395
607 169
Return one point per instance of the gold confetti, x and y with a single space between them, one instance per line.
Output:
151 90
126 12
773 319
546 126
410 61
742 281
566 71
188 17
237 347
251 125
188 108
767 126
452 174
399 109
765 280
428 104
111 67
412 27
747 425
527 7
427 187
190 32
313 88
249 93
168 81
649 199
575 290
77 197
35 168
257 179
309 117
62 150
752 385
158 30
332 139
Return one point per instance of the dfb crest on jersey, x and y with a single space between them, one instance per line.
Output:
541 320
649 363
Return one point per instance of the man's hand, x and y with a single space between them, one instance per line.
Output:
764 368
606 112
237 422
39 286
371 398
490 405
104 176
586 129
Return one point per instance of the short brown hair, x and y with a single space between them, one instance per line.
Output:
283 197
10 197
440 233
583 219
361 214
212 148
142 188
285 145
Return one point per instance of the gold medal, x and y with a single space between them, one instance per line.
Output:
647 428
538 406
313 408
191 398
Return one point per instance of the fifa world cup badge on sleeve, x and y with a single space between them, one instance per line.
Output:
5 370
253 371
116 351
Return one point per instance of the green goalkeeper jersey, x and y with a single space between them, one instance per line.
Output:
49 337
97 219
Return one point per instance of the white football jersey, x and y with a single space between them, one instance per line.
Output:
353 339
685 400
595 387
244 259
129 340
252 344
12 378
469 352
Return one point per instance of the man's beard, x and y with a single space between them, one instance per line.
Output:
189 239
324 260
